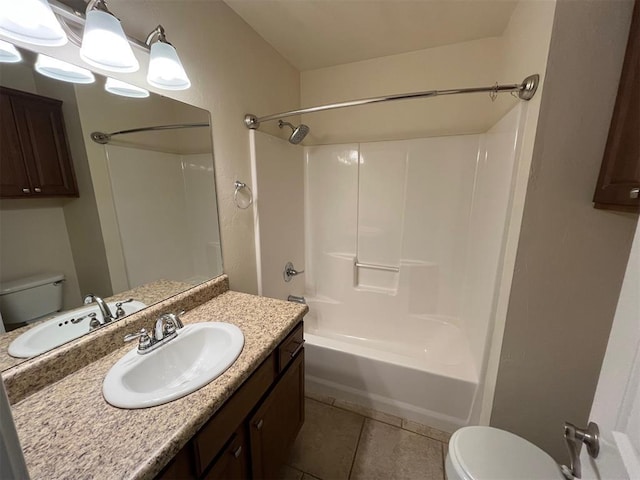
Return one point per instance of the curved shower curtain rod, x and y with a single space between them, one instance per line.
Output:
104 138
525 91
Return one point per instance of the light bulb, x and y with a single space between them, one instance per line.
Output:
9 53
59 70
31 21
165 69
104 44
118 87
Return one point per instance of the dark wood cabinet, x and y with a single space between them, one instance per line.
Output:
34 153
618 185
233 462
275 425
250 436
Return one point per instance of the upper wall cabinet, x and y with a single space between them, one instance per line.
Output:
619 182
34 153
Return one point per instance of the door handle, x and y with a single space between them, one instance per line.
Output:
574 437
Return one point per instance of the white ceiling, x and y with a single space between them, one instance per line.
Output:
313 34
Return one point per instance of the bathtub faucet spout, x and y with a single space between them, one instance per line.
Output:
296 299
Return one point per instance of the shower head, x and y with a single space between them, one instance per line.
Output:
298 133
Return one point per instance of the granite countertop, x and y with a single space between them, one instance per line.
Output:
152 293
149 294
68 430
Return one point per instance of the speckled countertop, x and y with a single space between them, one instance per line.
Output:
149 294
68 430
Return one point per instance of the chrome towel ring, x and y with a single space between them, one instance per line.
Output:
242 196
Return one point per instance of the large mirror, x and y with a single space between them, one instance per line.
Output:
143 224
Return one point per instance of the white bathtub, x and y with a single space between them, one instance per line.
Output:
432 386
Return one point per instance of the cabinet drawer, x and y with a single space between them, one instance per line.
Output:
290 347
216 432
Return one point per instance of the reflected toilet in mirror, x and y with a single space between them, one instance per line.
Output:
27 300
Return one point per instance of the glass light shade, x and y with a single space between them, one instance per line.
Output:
31 21
124 89
59 70
104 44
9 53
165 69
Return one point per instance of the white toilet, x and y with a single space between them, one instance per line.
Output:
31 298
486 453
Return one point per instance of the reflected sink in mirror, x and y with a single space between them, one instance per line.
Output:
62 328
200 353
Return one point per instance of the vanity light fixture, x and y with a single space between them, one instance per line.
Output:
31 21
118 87
165 68
104 43
9 53
59 70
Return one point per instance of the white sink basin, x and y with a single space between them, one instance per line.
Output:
199 354
59 330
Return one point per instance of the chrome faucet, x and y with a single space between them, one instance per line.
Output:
165 329
166 326
107 316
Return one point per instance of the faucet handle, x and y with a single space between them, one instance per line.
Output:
145 339
177 320
172 323
119 310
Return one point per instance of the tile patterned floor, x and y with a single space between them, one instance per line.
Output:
342 441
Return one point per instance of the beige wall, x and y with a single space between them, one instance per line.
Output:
525 48
23 226
571 257
465 64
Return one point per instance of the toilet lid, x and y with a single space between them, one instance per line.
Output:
479 453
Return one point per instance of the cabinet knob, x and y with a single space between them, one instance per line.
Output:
259 424
237 452
26 190
633 193
37 190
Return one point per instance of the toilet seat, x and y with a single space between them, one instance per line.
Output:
486 453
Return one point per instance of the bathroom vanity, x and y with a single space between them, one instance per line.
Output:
250 435
240 425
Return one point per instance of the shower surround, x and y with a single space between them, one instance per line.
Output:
403 243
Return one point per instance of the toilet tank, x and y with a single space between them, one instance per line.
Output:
32 297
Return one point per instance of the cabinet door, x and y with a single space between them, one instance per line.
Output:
619 182
277 422
44 145
14 181
232 463
181 467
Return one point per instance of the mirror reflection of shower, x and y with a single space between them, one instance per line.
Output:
298 133
172 181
